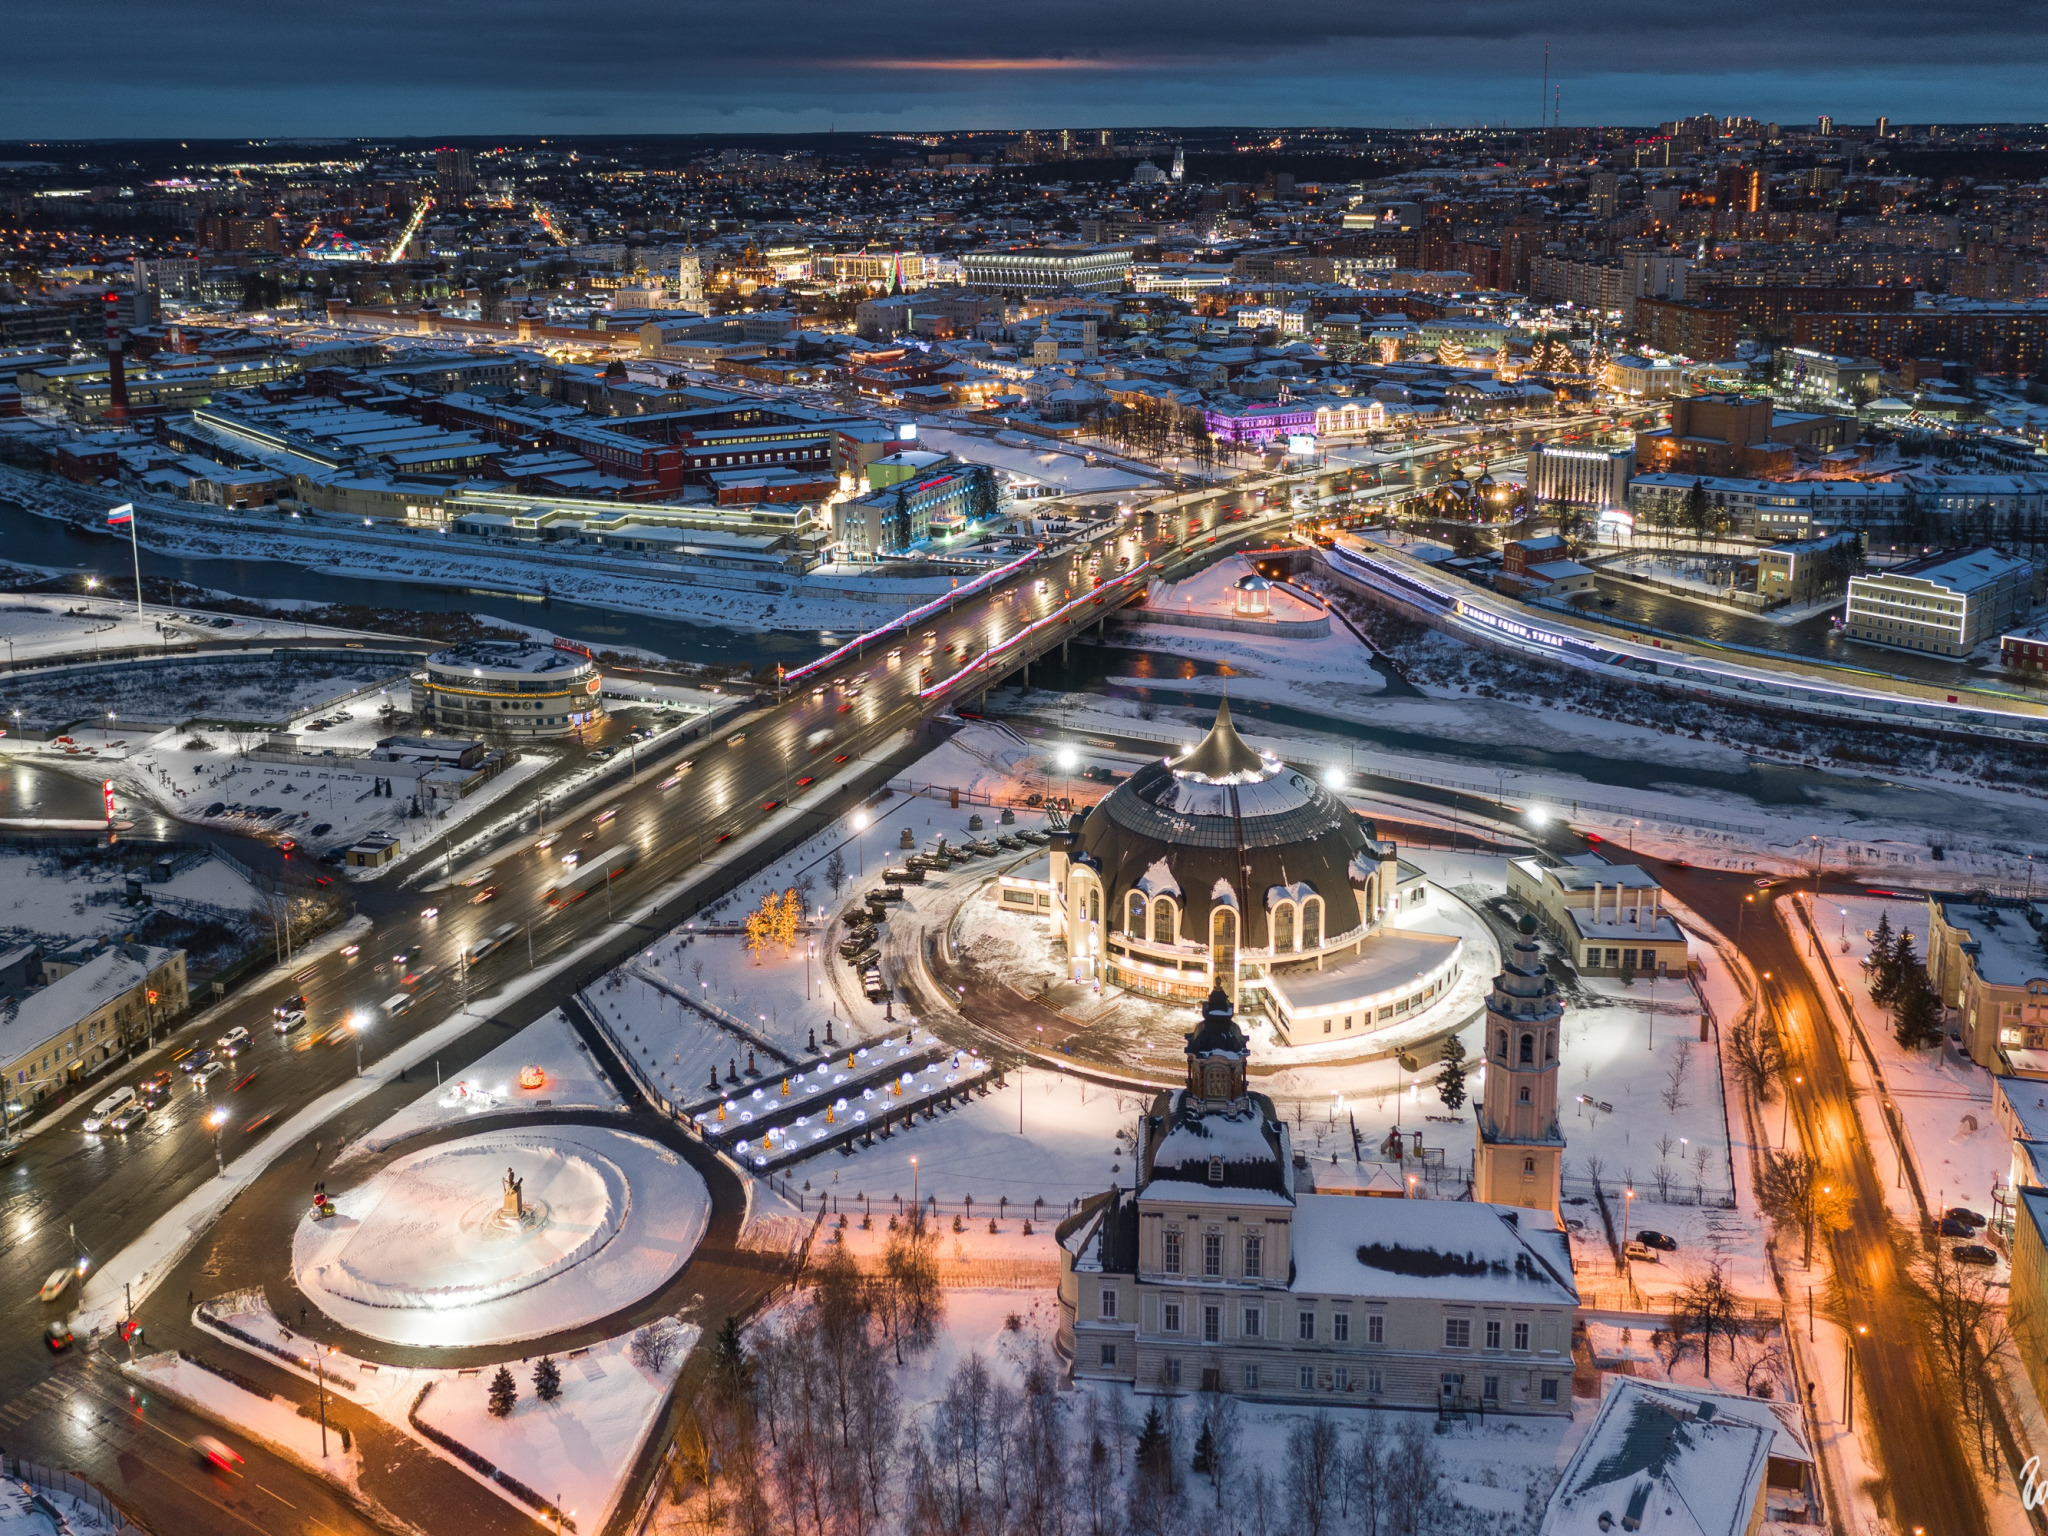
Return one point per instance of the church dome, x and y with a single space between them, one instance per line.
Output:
1224 825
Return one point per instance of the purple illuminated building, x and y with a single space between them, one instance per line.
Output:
1245 424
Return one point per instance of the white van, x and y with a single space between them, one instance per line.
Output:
398 1002
109 1107
490 941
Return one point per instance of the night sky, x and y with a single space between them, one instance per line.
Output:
424 67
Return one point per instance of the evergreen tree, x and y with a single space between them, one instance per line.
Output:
1883 962
1696 512
547 1379
1450 1083
729 1364
504 1393
1204 1449
1155 1446
1889 979
1916 1011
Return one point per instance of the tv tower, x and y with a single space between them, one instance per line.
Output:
117 378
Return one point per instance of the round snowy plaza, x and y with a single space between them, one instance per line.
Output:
501 1237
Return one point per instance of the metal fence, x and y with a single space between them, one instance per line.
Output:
45 1481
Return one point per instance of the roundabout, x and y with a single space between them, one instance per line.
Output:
501 1237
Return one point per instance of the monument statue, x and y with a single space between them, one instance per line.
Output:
515 1196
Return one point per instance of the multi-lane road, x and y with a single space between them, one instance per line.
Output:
798 761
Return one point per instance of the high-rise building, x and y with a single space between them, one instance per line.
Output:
454 175
1884 126
1826 126
1603 194
1180 163
1739 189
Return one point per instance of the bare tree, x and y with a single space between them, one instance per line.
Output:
911 1298
1216 1445
1753 1048
835 871
1969 1325
1674 1080
1799 1191
1369 1470
1314 1471
1707 1307
1415 1476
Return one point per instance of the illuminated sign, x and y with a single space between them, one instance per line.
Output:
107 794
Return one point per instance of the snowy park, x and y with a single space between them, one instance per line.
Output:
502 1236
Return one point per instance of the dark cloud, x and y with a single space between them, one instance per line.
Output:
238 66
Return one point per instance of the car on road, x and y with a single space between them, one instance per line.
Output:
430 911
235 1041
58 1283
601 753
406 955
289 1014
398 1002
1663 1240
322 828
130 1119
488 893
193 1060
57 1335
207 1074
350 951
542 845
420 979
217 1453
769 805
154 1090
1973 1253
489 942
108 1107
472 881
571 859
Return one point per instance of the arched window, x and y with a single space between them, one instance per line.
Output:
1283 928
1528 1165
1094 904
1528 1050
1134 914
1550 1045
1503 1046
1223 942
1312 922
1164 920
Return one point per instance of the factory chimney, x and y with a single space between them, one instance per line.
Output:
117 394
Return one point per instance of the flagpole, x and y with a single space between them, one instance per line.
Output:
135 554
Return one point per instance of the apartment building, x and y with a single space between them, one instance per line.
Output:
1946 603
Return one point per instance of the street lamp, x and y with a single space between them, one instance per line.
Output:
860 845
1628 1197
1785 1119
216 1118
1067 758
916 1210
1849 1381
357 1023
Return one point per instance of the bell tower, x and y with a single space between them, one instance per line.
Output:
1520 1155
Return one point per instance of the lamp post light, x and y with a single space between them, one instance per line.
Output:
215 1119
916 1210
860 840
1785 1119
1849 1380
357 1023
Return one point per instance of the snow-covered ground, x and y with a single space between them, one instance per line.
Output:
1875 829
40 895
840 602
276 1423
148 695
574 1451
1943 1101
52 624
424 1252
570 1078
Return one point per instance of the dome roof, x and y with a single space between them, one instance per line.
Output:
1228 826
1254 583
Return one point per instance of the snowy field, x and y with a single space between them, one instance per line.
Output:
424 1253
575 1451
40 896
52 624
570 1078
844 602
276 686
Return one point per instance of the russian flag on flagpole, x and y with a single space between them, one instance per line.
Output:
124 513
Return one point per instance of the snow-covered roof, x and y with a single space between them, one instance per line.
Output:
1210 1194
78 995
1664 1461
1444 1250
1158 880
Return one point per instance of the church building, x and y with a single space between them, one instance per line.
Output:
1225 1268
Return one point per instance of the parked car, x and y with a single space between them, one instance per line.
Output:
1663 1240
1963 1213
1973 1253
1641 1252
1950 1227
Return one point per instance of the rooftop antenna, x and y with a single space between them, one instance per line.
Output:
1546 82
